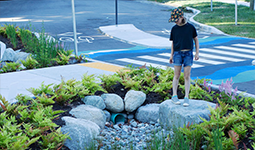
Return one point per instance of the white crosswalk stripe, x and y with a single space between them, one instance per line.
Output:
133 61
227 53
137 62
167 60
236 49
244 45
208 56
207 61
220 57
154 58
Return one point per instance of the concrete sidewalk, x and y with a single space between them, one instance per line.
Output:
129 33
15 83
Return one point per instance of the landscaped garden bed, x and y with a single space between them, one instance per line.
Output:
44 50
34 122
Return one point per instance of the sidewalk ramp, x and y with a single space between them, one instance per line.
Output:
130 34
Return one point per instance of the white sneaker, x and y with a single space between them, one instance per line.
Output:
175 100
186 102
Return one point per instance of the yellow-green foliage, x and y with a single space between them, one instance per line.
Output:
10 67
212 132
30 63
23 124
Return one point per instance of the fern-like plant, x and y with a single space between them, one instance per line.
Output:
109 80
89 82
42 89
30 63
62 59
11 67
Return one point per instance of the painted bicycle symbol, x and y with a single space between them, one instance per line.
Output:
68 37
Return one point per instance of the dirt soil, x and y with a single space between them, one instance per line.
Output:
8 43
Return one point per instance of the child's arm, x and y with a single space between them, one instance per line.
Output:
197 48
172 53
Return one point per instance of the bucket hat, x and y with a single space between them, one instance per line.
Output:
175 15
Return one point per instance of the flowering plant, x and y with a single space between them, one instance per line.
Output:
227 89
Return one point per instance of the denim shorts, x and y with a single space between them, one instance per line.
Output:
184 58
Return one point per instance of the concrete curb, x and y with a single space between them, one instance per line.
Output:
200 26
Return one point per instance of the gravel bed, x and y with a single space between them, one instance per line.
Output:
131 136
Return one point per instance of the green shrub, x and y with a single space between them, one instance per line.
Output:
10 67
10 31
30 63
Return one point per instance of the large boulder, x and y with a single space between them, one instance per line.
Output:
171 115
91 113
134 99
95 101
113 102
20 56
2 49
14 56
82 132
8 55
148 113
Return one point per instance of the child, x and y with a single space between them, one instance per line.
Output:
182 36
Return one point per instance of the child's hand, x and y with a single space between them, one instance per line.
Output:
196 56
171 60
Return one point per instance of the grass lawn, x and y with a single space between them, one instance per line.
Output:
223 16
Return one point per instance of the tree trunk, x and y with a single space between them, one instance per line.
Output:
252 5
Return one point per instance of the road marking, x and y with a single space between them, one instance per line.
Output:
207 61
227 53
68 34
204 37
132 61
102 66
236 49
251 42
154 58
220 57
210 56
67 37
244 45
167 60
197 66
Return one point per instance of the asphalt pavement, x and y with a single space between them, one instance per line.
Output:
15 83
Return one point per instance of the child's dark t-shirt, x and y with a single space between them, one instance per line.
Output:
182 36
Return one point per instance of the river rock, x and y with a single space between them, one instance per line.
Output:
148 113
91 113
8 55
20 56
171 115
95 101
81 131
113 102
134 99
